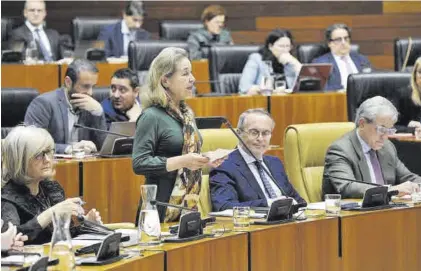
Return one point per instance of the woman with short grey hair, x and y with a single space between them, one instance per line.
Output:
29 196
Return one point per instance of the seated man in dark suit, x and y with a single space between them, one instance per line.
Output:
240 180
118 36
57 111
365 154
344 62
47 40
123 103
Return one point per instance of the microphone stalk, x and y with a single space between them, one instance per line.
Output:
155 202
99 130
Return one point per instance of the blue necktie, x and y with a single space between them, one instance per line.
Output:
44 50
265 181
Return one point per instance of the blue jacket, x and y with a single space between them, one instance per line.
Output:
255 68
334 81
113 39
233 183
112 115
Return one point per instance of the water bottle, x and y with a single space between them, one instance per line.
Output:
31 53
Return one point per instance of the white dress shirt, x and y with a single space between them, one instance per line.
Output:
128 36
250 163
366 148
44 38
343 70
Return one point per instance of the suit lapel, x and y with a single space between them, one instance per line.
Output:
362 162
52 43
277 180
356 61
384 162
64 113
335 70
248 175
119 39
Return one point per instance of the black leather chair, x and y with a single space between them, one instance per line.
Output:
178 30
401 48
14 102
362 86
88 28
101 94
141 54
307 52
226 65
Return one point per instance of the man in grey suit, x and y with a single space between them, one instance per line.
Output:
58 110
47 40
365 154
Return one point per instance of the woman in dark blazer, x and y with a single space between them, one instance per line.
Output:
167 143
409 103
29 197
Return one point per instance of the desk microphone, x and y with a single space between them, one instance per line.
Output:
294 207
99 130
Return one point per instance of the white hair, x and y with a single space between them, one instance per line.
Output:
376 106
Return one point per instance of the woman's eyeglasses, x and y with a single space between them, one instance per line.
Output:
42 155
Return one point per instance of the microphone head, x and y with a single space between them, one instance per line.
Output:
153 202
77 125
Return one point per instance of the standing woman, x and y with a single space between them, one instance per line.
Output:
167 142
277 49
409 104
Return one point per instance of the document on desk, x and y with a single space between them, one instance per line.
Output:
14 260
229 213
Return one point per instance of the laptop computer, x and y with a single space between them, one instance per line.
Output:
119 146
312 77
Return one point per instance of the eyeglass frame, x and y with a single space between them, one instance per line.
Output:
264 134
338 40
41 156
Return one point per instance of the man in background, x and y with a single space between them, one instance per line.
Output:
123 103
118 36
344 62
46 40
59 110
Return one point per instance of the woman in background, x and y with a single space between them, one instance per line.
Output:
277 50
167 143
213 32
29 196
409 103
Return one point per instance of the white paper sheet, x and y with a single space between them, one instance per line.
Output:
229 213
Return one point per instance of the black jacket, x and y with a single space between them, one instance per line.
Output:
408 110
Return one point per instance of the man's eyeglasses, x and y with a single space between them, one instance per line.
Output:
253 133
346 39
381 130
41 156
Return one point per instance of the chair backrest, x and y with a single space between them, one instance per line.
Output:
304 155
205 203
401 49
14 102
178 30
362 86
88 28
100 94
309 51
141 54
226 63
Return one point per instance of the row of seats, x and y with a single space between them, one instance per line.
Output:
14 101
88 28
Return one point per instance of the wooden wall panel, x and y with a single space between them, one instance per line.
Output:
402 6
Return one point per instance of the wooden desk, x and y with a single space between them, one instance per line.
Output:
67 174
308 245
228 252
382 240
110 186
43 77
300 108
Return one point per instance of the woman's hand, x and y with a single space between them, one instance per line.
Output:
71 205
217 162
93 215
18 241
194 161
414 123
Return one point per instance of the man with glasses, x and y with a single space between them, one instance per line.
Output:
241 180
46 40
59 110
366 155
344 62
118 36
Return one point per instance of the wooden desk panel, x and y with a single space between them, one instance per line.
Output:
383 240
305 108
111 187
229 252
309 245
67 174
228 106
43 77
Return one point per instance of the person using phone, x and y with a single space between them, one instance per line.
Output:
59 110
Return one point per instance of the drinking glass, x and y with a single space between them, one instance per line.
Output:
241 217
333 204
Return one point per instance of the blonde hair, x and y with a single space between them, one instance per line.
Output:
163 65
416 90
20 146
